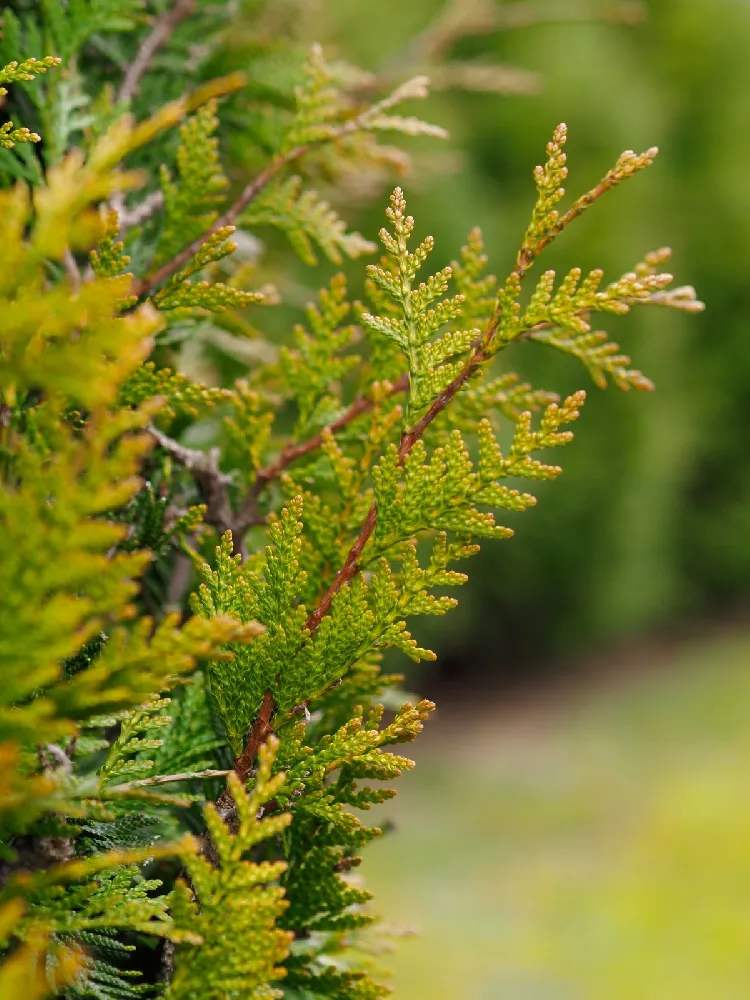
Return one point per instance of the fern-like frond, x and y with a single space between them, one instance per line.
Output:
191 201
317 362
306 220
234 907
180 293
424 312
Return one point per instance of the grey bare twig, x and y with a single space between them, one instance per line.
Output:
165 779
205 469
129 217
71 269
163 27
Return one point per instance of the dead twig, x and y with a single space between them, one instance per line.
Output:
159 35
211 481
165 779
129 217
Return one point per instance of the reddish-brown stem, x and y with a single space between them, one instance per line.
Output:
528 254
408 439
261 730
347 571
248 513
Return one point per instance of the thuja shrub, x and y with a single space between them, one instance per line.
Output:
193 712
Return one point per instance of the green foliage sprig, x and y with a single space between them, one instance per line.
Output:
16 72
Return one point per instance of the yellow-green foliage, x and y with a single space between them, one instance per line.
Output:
350 472
16 72
234 907
70 456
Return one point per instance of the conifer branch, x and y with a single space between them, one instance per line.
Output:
368 118
248 514
408 439
548 225
159 35
259 733
251 191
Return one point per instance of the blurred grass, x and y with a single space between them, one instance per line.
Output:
594 850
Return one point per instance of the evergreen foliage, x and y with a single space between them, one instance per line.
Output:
343 483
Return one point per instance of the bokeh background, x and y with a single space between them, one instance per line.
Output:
647 527
579 823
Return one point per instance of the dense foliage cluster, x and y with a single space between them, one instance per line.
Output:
191 638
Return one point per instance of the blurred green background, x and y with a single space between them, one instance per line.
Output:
588 847
589 837
650 522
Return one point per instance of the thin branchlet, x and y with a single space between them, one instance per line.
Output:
155 40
